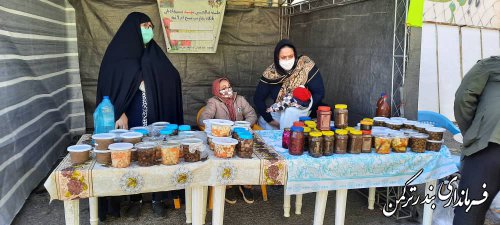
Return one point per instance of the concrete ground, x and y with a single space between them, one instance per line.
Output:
38 210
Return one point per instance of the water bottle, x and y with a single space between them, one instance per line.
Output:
104 117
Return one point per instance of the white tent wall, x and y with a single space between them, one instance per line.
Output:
42 106
447 54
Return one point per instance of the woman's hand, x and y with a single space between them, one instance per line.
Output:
275 123
122 123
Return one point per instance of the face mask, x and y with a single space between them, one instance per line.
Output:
287 64
226 93
147 34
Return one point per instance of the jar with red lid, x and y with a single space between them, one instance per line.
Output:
285 138
324 115
296 146
298 124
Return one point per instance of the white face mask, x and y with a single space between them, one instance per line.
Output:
287 64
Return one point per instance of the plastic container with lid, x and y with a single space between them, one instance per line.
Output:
341 116
304 118
379 121
157 127
103 156
242 123
224 147
131 137
184 128
367 143
121 154
208 124
434 145
435 133
324 115
296 146
173 127
79 153
192 148
209 141
298 124
103 140
355 142
418 142
170 153
382 143
401 119
146 153
157 141
221 128
165 133
307 130
341 141
285 138
394 124
117 133
422 127
316 144
187 134
328 143
245 145
400 142
409 124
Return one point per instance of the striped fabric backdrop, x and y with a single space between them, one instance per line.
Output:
41 105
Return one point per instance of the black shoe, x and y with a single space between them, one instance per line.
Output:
247 194
134 210
231 196
159 209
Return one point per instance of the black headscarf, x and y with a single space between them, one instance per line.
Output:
127 62
283 43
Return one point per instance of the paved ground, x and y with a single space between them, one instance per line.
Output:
38 210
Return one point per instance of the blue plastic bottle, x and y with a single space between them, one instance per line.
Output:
104 116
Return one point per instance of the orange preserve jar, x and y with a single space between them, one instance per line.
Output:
324 114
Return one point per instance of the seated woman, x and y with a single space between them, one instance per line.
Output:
288 71
226 104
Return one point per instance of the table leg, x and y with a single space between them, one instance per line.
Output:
72 212
204 203
428 210
197 205
286 205
341 201
319 207
298 204
371 198
93 205
188 198
219 200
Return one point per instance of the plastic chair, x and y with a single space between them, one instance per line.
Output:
200 126
439 120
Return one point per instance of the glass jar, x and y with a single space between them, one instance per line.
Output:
328 143
307 131
146 153
296 146
355 142
245 146
366 125
324 114
170 153
285 139
316 144
341 140
418 142
341 116
367 143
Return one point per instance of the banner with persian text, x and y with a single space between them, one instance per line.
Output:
191 26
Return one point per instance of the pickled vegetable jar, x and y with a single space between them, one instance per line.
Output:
316 144
296 146
341 141
341 116
328 143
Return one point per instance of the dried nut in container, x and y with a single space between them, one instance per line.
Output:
131 137
103 156
409 124
146 153
418 142
222 128
434 145
224 147
79 153
379 121
170 153
422 127
102 141
395 125
400 142
192 148
245 146
435 133
382 144
120 154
